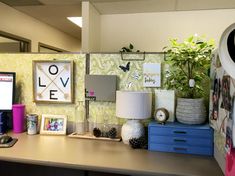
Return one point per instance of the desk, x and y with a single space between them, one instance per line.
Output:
104 156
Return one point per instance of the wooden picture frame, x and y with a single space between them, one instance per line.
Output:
53 124
53 81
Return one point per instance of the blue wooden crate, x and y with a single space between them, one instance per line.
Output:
181 138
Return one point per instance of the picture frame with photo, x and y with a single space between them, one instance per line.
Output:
226 98
53 124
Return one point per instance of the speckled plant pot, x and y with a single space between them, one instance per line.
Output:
191 111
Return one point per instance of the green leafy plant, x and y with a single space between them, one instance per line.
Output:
129 49
188 60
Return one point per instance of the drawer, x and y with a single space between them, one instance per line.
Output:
181 149
174 140
183 132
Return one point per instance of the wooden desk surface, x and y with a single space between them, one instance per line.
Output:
105 156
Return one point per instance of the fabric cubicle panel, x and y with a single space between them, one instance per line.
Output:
132 79
101 64
22 65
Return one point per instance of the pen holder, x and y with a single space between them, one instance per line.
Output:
18 118
32 124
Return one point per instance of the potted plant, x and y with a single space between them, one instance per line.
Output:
188 73
129 49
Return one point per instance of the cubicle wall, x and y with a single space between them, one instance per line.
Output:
127 67
130 79
101 64
22 65
222 96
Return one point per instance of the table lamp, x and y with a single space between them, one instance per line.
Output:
133 106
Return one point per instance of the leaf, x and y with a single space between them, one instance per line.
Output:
194 53
190 39
131 46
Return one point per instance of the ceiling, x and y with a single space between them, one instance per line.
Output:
143 6
54 12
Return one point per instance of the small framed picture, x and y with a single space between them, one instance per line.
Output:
152 74
53 124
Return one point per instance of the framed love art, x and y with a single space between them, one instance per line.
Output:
53 81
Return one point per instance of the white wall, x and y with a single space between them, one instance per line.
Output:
20 24
85 26
151 31
90 28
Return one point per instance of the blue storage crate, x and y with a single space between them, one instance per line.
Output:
181 138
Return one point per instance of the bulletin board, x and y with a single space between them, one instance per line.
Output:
222 92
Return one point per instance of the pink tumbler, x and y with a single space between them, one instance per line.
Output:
18 118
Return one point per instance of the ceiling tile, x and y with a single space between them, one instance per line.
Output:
55 15
48 11
204 4
137 6
60 2
111 0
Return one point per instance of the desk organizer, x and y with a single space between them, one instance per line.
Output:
181 138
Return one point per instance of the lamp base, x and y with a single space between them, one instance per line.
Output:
131 129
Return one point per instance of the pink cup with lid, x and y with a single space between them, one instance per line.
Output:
18 111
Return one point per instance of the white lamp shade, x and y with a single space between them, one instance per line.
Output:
133 105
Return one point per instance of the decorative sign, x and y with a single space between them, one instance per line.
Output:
100 87
53 81
152 75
